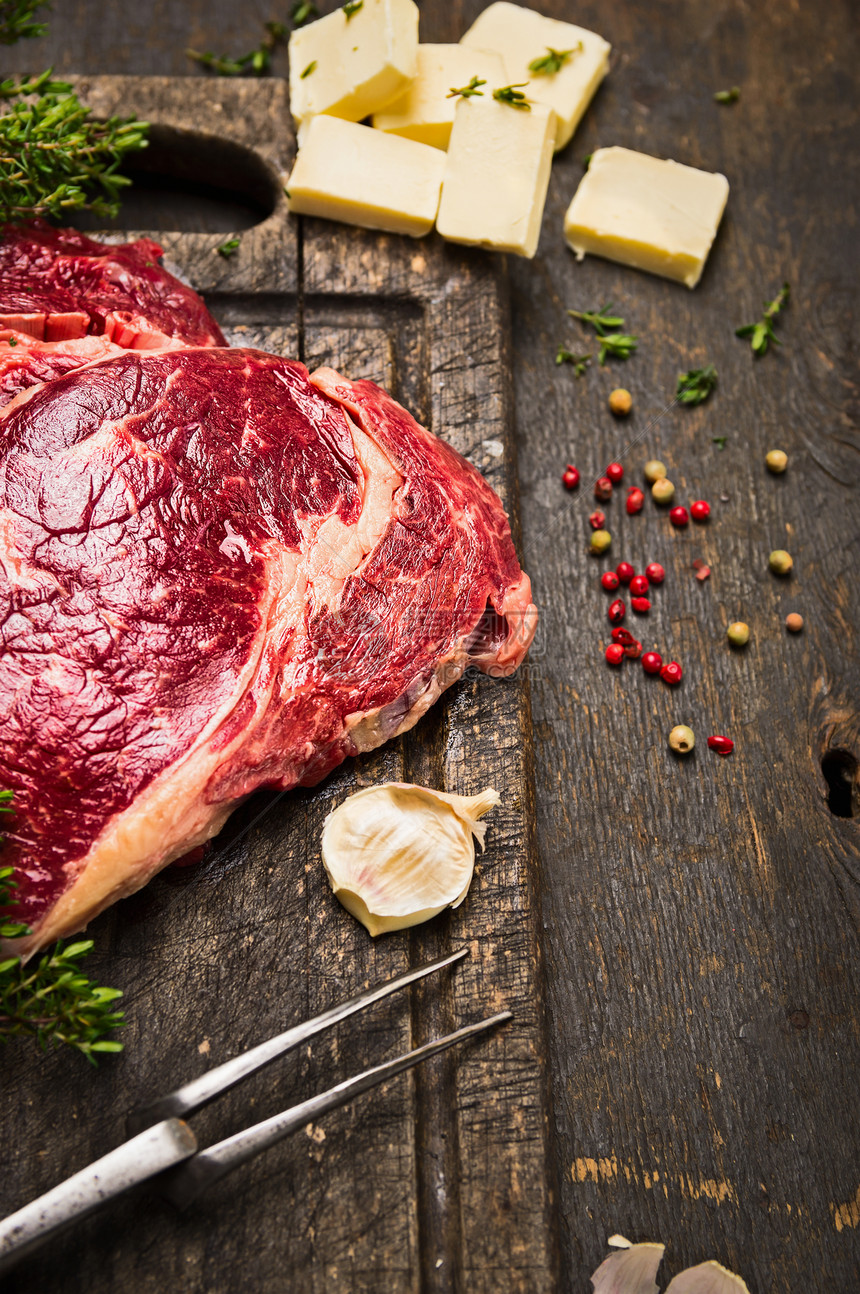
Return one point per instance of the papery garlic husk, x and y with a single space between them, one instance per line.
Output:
397 855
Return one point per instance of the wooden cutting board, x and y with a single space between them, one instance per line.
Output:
442 1180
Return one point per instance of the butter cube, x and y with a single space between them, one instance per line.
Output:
655 215
497 175
425 112
352 66
522 36
365 177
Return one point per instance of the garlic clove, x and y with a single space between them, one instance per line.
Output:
397 854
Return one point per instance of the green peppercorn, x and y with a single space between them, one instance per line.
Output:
620 402
662 491
777 461
600 541
780 562
654 470
738 633
682 739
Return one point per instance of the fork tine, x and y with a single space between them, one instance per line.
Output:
183 1184
200 1091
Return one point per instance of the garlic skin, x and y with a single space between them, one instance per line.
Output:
397 854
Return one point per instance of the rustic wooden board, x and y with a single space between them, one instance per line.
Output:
441 1180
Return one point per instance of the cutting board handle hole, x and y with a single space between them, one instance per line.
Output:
187 181
839 769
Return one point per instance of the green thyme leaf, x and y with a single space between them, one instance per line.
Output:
352 7
303 10
728 96
580 362
761 333
229 248
513 96
466 91
586 161
719 441
554 60
695 386
311 67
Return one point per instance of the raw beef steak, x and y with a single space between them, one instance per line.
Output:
220 573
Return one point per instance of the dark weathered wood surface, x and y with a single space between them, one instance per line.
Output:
701 919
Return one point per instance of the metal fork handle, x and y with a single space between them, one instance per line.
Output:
185 1183
157 1148
200 1091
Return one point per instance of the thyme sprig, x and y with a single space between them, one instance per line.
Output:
53 157
762 333
513 96
696 385
52 1001
580 362
554 60
255 63
466 91
16 20
618 345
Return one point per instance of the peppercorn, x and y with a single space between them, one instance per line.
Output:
679 517
654 470
794 623
641 605
662 491
600 541
570 477
620 402
597 520
615 472
777 461
738 633
614 654
633 650
603 489
655 573
652 662
639 586
616 612
682 739
610 581
672 673
623 636
780 562
700 510
625 572
635 500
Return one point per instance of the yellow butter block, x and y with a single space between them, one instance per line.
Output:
656 215
361 176
351 66
497 175
426 111
522 37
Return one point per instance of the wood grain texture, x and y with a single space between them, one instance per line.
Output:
701 919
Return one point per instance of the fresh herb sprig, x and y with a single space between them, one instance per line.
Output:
52 1001
618 345
696 385
513 96
580 362
17 20
352 7
554 60
762 333
302 12
728 96
255 63
53 157
466 91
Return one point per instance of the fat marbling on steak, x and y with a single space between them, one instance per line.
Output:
220 573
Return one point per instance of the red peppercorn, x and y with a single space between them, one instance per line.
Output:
639 586
652 662
623 636
570 477
679 517
603 488
617 611
597 520
641 605
633 650
635 500
614 654
610 581
625 572
722 745
671 673
615 472
700 511
655 573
